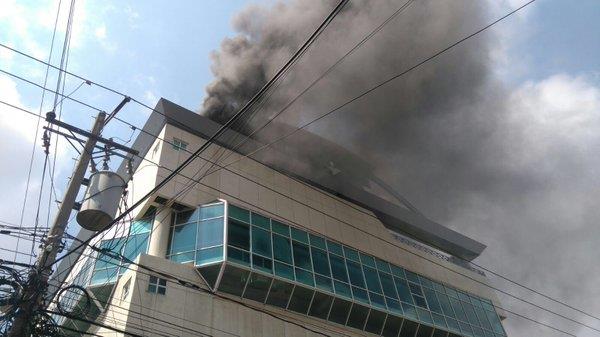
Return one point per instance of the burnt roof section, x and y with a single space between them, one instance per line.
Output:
347 176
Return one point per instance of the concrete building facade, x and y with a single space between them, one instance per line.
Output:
248 247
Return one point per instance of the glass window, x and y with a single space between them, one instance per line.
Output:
372 279
495 322
471 316
403 291
434 305
439 320
342 289
280 293
299 235
339 311
320 305
394 306
284 270
141 226
446 306
367 260
304 276
183 238
179 144
282 249
186 216
210 233
157 285
261 242
280 228
301 256
375 322
420 301
453 324
239 213
360 295
238 256
261 221
323 283
438 287
425 316
377 300
209 255
135 245
412 277
301 299
458 310
383 266
392 326
335 248
483 318
257 287
409 310
409 329
424 331
234 280
320 262
262 263
351 254
358 316
426 282
211 211
317 241
387 283
338 268
238 235
355 273
398 272
183 257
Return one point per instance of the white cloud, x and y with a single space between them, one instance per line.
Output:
100 32
150 97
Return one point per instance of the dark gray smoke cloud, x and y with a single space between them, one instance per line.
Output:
513 168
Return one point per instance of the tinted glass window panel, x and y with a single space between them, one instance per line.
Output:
233 280
305 277
420 301
280 228
299 235
355 273
335 248
409 329
439 320
425 316
387 283
183 217
238 256
212 211
383 266
424 331
261 242
453 324
372 280
478 332
239 213
210 233
415 289
483 318
394 306
323 283
262 263
320 305
358 316
339 311
495 322
280 293
300 300
409 310
464 297
471 316
446 306
434 304
320 261
392 326
284 270
360 295
257 287
465 328
367 260
412 276
458 310
183 239
338 268
342 289
210 255
317 241
377 300
238 235
135 245
375 322
261 221
403 291
439 333
301 256
282 249
397 271
184 257
351 254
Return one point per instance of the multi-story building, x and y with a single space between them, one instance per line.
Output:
277 241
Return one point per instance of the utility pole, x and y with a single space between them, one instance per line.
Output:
37 284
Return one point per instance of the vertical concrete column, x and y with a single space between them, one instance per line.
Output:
159 238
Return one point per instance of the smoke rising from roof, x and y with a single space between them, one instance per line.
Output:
513 168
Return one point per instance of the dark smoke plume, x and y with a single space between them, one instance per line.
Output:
509 167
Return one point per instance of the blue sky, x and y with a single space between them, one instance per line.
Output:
548 56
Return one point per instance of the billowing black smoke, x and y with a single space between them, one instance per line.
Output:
509 167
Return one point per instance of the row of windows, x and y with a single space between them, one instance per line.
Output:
286 252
